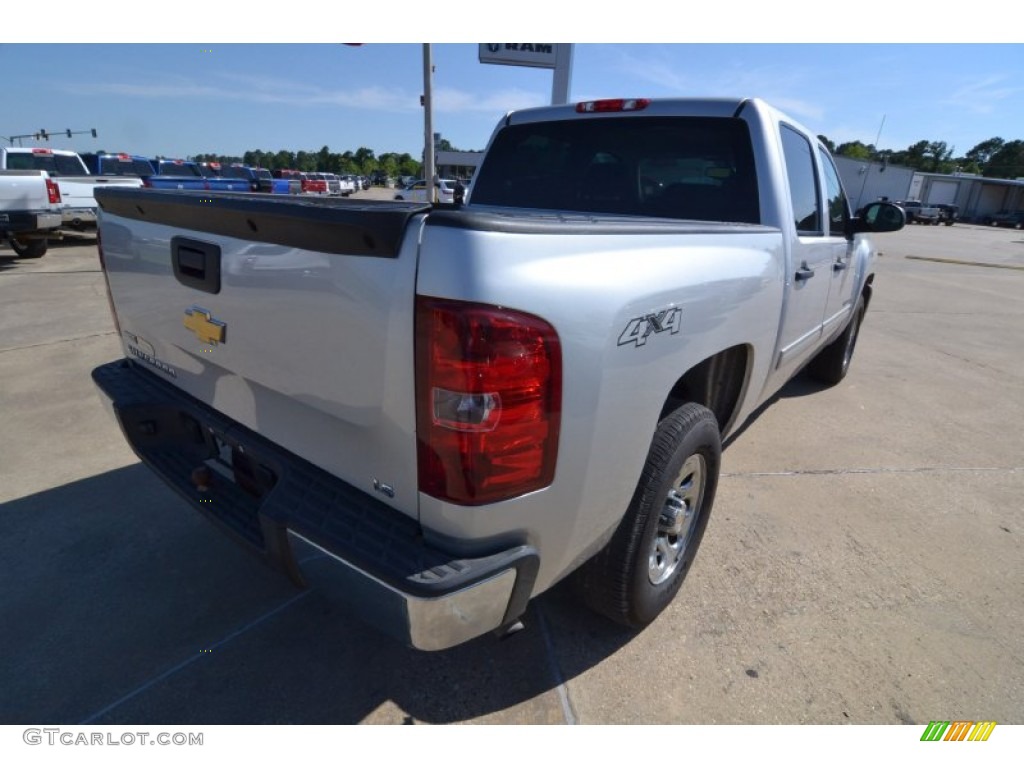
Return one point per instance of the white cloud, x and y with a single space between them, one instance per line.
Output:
982 96
260 90
494 102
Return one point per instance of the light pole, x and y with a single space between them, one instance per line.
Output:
428 124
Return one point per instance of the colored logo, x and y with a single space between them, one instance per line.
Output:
202 324
958 730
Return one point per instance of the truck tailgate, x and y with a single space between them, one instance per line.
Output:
293 317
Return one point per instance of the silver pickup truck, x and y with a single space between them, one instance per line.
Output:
919 213
440 412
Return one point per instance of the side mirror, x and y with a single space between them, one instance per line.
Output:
878 217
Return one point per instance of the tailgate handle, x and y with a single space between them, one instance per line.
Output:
196 264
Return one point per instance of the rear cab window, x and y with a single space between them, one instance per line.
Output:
54 165
171 168
114 166
665 167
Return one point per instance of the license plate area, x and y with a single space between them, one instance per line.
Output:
235 463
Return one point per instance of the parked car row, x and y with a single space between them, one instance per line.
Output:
416 191
77 205
318 183
166 173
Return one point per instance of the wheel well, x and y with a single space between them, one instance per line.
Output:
715 383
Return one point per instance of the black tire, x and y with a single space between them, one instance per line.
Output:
641 569
28 249
831 365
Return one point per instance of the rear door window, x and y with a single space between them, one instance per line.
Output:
803 182
835 198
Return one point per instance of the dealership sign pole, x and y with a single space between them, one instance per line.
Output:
555 56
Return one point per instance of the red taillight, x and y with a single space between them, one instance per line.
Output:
147 181
488 401
52 191
42 151
613 105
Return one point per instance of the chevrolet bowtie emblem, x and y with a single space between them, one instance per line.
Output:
202 324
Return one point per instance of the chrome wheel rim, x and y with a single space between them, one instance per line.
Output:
677 520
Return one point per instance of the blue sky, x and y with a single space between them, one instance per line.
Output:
181 99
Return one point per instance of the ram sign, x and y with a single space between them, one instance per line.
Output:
519 54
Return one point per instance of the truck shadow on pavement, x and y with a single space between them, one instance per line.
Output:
801 385
122 605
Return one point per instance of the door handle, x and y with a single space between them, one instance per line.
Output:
838 266
805 272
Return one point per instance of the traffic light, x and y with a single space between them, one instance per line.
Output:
69 133
94 133
42 134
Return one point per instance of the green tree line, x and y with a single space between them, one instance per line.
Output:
362 162
993 158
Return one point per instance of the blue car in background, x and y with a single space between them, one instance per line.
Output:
259 179
221 182
117 164
176 174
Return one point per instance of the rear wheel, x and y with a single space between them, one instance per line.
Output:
641 569
833 362
28 249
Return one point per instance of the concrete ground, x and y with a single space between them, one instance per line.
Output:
863 563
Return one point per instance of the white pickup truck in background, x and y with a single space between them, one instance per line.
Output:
442 411
29 211
77 185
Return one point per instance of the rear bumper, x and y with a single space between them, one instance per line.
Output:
313 526
28 221
78 216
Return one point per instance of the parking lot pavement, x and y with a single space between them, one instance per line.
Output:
862 563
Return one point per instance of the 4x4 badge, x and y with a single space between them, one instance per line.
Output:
204 326
639 328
